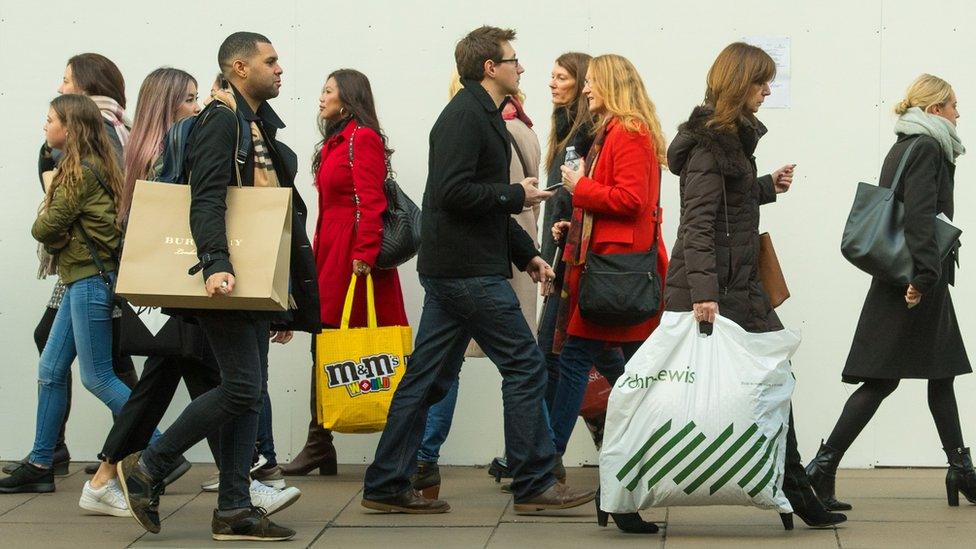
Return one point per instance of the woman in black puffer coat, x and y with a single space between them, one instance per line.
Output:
713 266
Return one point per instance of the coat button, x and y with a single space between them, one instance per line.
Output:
503 199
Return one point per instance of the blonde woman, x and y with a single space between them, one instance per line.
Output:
615 197
918 337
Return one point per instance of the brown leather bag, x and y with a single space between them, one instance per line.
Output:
770 273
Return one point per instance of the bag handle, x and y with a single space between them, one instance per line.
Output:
370 303
901 168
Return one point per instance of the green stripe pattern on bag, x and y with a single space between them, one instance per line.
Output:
742 458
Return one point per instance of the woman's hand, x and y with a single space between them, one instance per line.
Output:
705 311
571 177
559 230
360 268
912 296
783 178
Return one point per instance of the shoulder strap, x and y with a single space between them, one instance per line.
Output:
901 165
92 249
518 152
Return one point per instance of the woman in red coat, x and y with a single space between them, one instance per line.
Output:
350 169
615 210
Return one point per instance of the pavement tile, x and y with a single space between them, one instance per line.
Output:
550 536
760 534
912 535
405 538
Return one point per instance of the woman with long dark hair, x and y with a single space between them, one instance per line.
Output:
78 222
97 77
350 168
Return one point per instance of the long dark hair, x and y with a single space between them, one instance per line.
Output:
357 99
577 112
96 74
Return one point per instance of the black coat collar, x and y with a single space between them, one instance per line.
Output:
266 115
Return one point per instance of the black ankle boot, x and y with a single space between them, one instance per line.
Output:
961 477
808 507
822 471
632 523
427 480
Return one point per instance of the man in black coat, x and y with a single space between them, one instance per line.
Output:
239 339
470 241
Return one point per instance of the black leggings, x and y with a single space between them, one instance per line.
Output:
862 405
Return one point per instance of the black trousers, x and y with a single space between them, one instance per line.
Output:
122 365
151 397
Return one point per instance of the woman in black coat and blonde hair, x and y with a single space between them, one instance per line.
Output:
911 332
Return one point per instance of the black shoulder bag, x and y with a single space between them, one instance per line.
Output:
131 335
401 221
622 289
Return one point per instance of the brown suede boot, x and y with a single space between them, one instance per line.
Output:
318 453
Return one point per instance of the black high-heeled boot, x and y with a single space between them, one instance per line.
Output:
822 471
961 477
807 506
632 523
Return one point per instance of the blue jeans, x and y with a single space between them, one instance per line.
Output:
578 356
83 329
240 346
455 311
439 419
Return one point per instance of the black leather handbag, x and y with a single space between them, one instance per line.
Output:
621 289
874 237
401 221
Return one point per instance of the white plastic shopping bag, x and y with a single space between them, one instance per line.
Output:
699 420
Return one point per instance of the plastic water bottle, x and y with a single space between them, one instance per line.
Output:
572 159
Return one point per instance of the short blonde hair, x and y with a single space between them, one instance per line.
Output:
926 91
616 79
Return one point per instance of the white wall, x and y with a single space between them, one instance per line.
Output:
851 62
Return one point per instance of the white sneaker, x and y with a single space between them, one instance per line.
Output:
271 499
108 500
212 484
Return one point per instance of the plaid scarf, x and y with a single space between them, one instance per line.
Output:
264 172
113 113
577 245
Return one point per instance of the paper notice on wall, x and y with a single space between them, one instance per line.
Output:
778 47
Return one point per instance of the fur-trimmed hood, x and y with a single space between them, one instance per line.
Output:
732 152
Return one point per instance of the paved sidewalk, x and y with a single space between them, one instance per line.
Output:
893 508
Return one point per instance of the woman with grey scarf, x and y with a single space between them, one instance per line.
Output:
911 332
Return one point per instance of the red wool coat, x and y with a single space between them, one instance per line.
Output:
339 239
622 195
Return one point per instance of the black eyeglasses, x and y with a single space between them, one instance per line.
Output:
513 60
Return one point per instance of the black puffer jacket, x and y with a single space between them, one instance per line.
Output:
717 249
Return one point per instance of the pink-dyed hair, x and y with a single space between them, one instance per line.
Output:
160 96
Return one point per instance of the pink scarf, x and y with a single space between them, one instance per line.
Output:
114 114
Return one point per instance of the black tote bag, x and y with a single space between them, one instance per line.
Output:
874 237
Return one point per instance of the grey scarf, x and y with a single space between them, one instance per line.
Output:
915 121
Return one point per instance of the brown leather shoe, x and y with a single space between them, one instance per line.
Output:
409 502
559 496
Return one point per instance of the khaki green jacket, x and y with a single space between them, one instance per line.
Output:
94 209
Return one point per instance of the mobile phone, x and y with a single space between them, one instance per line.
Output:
551 188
